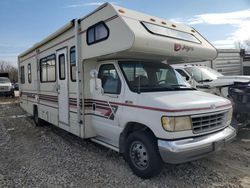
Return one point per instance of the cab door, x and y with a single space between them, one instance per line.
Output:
106 106
62 87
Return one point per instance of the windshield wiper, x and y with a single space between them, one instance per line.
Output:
206 80
178 85
181 87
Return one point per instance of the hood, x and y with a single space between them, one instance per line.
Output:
228 80
184 102
5 84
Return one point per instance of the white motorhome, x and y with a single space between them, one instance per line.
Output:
105 77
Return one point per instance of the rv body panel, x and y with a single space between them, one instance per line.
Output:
78 82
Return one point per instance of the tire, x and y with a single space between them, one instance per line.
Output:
37 120
142 155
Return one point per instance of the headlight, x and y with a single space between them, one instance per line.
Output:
172 124
229 115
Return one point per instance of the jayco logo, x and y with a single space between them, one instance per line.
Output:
178 47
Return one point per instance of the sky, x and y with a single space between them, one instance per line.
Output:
25 22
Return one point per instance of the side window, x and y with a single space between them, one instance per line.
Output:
62 67
72 55
182 73
48 69
111 82
29 73
97 33
22 75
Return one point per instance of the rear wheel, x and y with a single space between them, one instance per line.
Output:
36 118
142 154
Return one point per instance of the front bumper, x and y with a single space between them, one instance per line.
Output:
7 93
184 150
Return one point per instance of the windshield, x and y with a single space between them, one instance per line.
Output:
152 76
203 74
4 80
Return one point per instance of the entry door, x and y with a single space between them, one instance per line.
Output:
62 87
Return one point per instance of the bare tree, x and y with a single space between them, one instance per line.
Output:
243 44
6 67
247 44
238 45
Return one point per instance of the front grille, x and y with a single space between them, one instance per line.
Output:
208 122
4 88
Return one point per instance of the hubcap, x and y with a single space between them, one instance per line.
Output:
139 155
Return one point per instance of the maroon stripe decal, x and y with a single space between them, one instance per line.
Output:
107 20
161 109
57 44
81 32
111 18
51 100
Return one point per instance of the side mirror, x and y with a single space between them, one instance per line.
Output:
95 83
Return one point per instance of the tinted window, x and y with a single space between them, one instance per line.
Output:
168 32
91 35
97 33
62 67
22 75
111 82
73 63
29 73
4 80
202 74
48 69
182 73
151 76
100 32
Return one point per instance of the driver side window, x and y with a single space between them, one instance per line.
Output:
111 82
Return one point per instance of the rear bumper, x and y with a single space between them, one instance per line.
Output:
180 151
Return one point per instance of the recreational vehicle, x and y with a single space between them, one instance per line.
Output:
106 77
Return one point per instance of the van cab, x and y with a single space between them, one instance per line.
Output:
155 115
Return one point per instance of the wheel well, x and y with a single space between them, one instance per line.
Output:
129 128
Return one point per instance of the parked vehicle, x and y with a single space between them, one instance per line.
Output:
15 86
6 88
102 77
235 88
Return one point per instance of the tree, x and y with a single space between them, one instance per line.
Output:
6 67
243 44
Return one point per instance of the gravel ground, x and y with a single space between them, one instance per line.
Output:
49 157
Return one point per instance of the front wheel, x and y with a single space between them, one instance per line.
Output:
142 154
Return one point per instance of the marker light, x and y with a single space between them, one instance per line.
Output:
121 11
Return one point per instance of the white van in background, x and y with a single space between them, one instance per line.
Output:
235 88
101 77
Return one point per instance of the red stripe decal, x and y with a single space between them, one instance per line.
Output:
161 109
